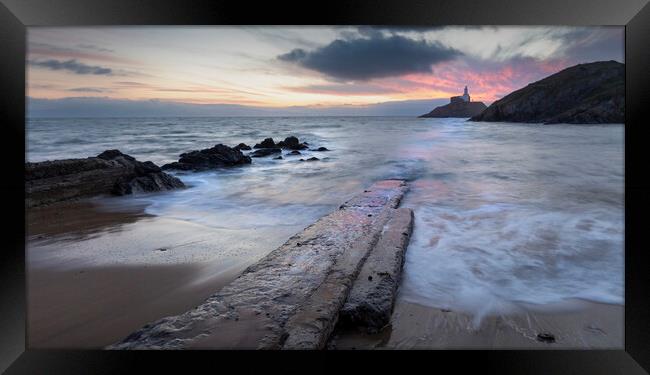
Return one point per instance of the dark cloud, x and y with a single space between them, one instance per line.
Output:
374 57
72 66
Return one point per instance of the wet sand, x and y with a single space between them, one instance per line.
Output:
79 304
94 307
86 304
79 217
576 325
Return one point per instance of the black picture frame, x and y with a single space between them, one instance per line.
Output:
16 15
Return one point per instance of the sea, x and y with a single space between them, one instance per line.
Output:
505 213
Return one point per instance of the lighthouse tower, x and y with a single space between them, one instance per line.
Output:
465 95
460 98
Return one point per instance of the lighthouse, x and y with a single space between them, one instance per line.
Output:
461 98
466 95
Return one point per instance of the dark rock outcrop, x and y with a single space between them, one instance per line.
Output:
111 172
289 143
216 157
292 143
582 94
321 149
311 159
457 109
266 143
242 146
265 152
295 152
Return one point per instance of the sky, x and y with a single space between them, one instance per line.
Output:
274 70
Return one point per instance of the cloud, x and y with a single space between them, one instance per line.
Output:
72 66
378 56
94 47
373 30
343 89
88 89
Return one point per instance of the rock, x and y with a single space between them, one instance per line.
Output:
216 157
110 172
289 299
321 149
267 143
278 158
265 152
295 152
457 109
242 146
310 159
546 337
370 302
112 154
292 143
582 94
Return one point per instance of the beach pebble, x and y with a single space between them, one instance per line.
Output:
546 337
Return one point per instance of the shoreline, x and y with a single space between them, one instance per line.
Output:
133 295
589 325
88 305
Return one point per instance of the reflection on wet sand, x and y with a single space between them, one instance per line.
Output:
96 272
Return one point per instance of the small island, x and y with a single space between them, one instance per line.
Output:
459 106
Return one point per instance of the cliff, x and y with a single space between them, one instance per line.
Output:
457 109
582 94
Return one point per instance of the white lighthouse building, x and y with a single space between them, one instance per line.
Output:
461 98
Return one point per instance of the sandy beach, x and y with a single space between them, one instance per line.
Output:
74 304
86 305
577 324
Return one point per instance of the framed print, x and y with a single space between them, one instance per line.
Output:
436 179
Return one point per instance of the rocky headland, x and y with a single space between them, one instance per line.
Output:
111 173
457 109
592 93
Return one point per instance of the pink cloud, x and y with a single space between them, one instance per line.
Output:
488 81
